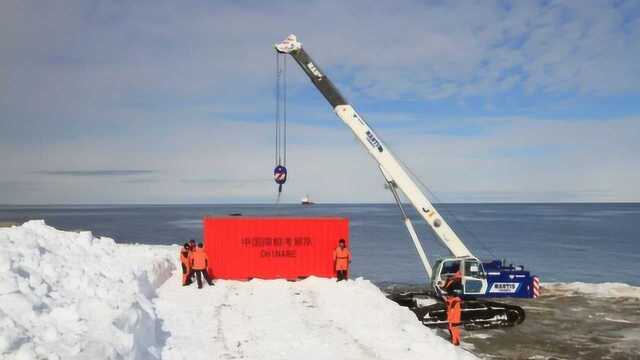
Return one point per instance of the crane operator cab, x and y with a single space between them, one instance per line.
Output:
473 278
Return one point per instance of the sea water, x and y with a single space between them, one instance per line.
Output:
558 242
562 243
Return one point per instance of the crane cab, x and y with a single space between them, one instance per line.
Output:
474 278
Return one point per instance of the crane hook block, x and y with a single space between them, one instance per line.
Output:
280 174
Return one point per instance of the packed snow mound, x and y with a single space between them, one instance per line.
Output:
70 295
604 290
310 319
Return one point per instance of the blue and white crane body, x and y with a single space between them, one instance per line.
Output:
479 280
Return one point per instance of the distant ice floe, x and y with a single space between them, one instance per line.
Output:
618 320
187 223
606 289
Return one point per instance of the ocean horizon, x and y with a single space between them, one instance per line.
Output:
560 242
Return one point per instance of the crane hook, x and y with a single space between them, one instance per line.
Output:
280 176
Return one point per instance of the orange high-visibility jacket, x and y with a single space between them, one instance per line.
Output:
454 280
342 257
184 258
199 260
190 257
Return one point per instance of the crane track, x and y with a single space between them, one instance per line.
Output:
476 314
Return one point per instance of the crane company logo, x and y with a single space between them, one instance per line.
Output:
504 288
314 70
373 141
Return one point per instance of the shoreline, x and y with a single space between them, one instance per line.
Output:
572 320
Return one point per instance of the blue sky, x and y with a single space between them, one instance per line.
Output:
164 102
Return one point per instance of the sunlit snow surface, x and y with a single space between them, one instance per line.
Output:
311 319
66 295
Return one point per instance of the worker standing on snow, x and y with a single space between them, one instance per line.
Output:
200 266
454 306
192 249
341 261
186 264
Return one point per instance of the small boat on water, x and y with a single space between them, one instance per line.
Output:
307 201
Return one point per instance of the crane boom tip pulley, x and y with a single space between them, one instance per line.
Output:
288 45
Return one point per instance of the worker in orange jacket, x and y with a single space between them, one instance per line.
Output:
192 248
453 283
200 266
341 260
186 264
454 306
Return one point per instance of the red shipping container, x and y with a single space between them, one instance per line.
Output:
242 248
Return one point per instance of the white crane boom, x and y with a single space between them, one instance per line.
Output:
391 168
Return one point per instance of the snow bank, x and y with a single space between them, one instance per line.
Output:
604 290
70 295
364 312
311 319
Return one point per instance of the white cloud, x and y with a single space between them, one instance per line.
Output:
108 52
518 160
158 85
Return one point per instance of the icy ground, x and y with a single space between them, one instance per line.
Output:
312 319
67 295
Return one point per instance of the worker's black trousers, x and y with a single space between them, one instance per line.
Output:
199 275
342 275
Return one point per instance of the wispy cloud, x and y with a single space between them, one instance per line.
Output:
528 96
224 181
13 185
95 172
141 181
430 50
